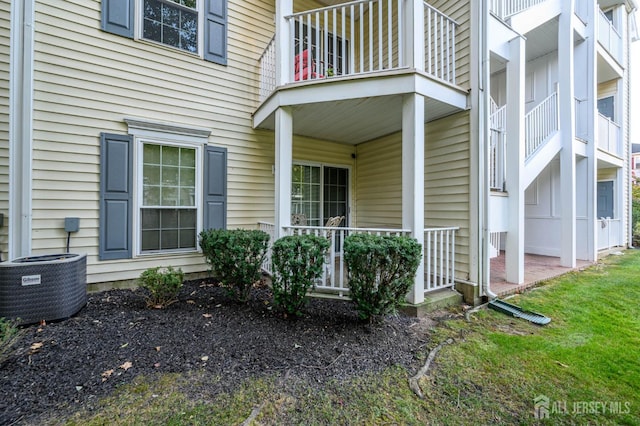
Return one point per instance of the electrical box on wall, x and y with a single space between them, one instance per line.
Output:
71 224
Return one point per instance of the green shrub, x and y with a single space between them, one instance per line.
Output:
162 285
297 263
235 257
9 334
381 271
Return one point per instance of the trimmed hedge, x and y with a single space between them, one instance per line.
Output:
297 263
381 271
235 257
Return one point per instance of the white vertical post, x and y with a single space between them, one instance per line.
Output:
514 245
414 33
567 155
284 42
21 127
413 180
591 121
284 163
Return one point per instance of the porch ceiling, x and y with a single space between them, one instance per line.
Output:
356 111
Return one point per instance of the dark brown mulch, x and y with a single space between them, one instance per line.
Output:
70 369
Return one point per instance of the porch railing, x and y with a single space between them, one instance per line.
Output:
505 9
609 37
439 254
497 147
270 229
540 123
609 233
439 258
440 44
359 37
268 70
609 136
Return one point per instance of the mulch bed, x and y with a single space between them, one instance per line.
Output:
59 368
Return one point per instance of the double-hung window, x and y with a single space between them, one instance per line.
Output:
169 197
194 26
171 22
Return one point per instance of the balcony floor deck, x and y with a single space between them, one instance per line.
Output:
536 268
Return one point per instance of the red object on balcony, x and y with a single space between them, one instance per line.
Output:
304 68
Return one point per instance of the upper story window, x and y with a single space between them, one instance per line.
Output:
171 22
195 26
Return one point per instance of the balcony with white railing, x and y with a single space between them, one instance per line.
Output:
438 255
540 124
581 9
609 136
357 39
609 37
505 9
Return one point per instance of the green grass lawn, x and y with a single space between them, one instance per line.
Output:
588 355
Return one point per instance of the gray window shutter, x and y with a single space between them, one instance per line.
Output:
117 17
215 31
215 188
116 196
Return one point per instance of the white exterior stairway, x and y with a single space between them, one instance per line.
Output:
525 15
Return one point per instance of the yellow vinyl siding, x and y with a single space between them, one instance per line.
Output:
5 13
379 181
87 81
447 181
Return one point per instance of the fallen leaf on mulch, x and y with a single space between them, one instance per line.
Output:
207 315
205 358
106 375
157 348
127 365
191 302
36 347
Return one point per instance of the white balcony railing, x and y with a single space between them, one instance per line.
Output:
540 123
359 37
609 37
609 136
268 70
609 233
497 147
581 9
439 254
440 44
439 258
505 9
582 119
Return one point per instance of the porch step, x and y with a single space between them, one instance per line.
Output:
432 302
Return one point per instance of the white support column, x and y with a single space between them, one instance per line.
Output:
284 163
413 180
592 121
567 130
21 127
514 244
284 42
413 36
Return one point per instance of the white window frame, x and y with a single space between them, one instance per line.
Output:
173 134
138 26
